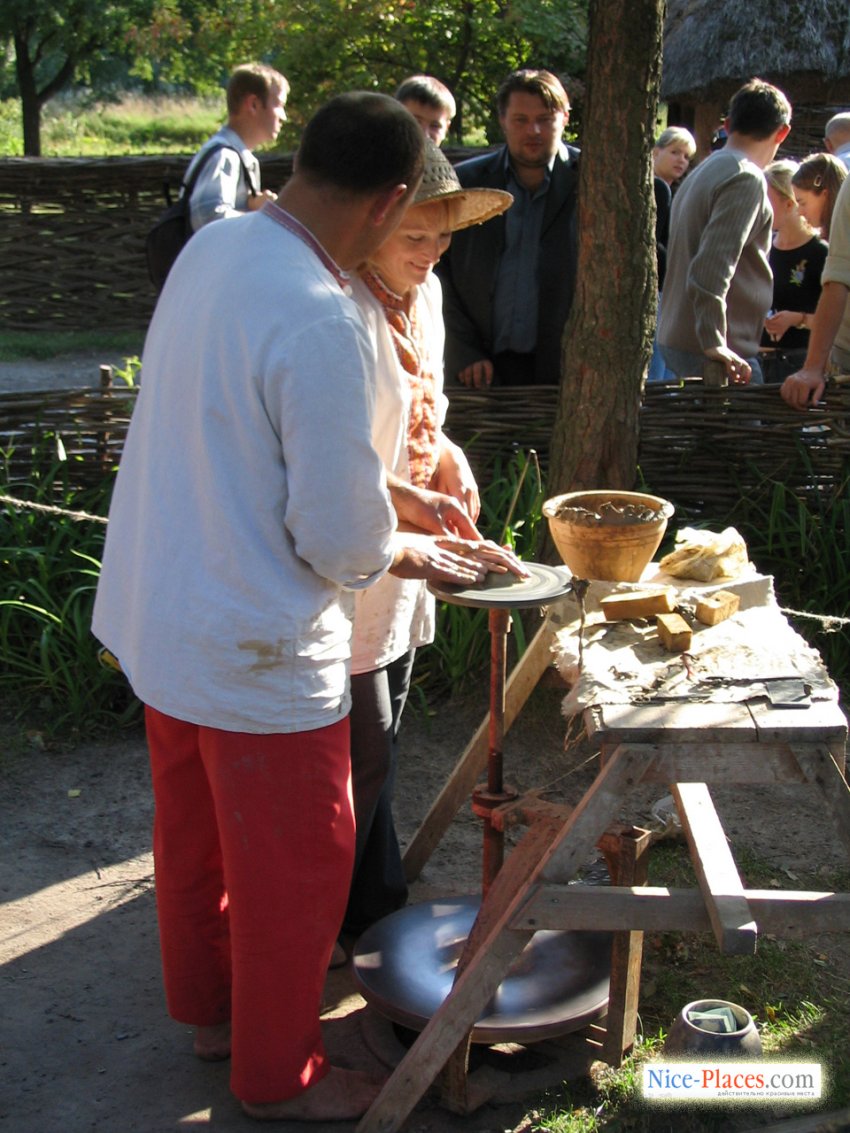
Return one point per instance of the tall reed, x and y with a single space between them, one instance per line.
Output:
50 675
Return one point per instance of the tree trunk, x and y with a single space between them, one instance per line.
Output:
30 101
608 338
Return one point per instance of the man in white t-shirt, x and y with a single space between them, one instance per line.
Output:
248 507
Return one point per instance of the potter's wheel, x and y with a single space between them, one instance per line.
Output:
405 965
508 591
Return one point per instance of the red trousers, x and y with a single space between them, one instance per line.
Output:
253 852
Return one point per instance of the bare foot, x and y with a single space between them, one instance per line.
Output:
342 1095
212 1044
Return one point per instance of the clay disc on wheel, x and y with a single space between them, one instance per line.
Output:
544 584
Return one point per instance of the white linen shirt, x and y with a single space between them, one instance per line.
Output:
248 493
397 614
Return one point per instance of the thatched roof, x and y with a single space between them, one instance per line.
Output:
711 48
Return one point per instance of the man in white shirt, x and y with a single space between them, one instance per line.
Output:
228 183
249 505
836 136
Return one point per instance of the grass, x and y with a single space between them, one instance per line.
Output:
42 345
77 126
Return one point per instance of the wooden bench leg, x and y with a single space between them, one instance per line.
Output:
631 864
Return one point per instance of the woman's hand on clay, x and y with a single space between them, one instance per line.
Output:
450 559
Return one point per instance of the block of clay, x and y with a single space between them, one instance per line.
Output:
717 607
639 604
674 631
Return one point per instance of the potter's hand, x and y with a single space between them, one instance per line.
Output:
454 478
430 511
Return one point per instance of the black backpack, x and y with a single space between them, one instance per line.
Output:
165 240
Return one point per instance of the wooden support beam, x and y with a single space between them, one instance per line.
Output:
631 864
795 914
717 875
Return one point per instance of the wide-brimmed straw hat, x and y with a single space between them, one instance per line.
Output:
440 183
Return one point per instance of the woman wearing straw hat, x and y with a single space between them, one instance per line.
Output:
401 301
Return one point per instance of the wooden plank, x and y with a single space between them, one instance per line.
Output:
676 721
667 763
484 963
717 875
472 761
782 912
822 722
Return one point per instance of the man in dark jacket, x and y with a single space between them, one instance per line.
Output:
508 284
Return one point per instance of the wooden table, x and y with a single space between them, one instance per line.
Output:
683 744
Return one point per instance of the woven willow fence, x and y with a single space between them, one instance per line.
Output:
704 449
72 238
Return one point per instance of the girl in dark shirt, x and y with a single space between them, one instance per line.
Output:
797 256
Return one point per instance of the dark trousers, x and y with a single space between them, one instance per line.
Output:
377 701
513 369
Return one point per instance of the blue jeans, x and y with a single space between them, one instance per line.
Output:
658 371
686 364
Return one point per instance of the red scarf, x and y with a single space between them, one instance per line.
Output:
411 349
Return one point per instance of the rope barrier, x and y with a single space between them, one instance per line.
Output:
50 509
830 623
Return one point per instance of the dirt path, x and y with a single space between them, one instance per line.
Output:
66 371
86 1044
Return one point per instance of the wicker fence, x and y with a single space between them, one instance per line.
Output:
704 449
72 237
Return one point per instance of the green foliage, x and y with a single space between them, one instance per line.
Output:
131 124
322 46
471 47
11 142
803 544
49 672
58 41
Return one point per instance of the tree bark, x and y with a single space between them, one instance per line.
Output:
30 104
608 338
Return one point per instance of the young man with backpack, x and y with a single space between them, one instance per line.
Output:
228 174
223 178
